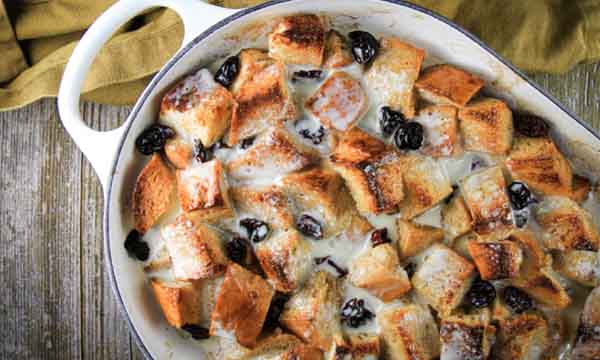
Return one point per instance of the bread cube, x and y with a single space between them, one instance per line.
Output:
202 186
443 278
179 152
523 337
456 218
485 195
285 259
299 39
409 332
196 250
284 347
496 260
425 184
441 131
447 84
361 346
241 307
273 153
269 204
339 103
466 337
545 287
566 225
153 193
486 126
393 73
337 51
534 255
262 95
322 190
539 163
198 107
372 171
587 340
313 313
414 238
181 301
378 270
461 244
581 188
580 266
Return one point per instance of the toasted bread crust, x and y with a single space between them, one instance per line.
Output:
447 84
153 193
523 336
456 218
180 302
414 238
466 337
581 188
269 204
487 126
202 186
539 163
580 266
337 52
496 260
242 305
441 131
393 74
299 39
262 96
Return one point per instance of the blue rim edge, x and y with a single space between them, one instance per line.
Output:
141 101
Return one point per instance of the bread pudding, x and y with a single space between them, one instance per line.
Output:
340 195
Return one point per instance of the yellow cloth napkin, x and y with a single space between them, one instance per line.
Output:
37 37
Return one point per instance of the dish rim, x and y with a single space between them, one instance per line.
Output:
141 101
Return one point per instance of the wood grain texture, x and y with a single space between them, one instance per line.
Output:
56 301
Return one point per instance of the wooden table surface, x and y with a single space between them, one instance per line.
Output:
55 298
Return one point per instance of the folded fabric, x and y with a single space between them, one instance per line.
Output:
38 36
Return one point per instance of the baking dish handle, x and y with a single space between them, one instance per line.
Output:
100 148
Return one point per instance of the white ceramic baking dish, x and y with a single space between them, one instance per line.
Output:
210 33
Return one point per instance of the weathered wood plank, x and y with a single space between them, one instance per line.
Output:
40 229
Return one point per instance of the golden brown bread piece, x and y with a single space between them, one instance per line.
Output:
580 266
339 103
544 286
378 270
409 332
461 244
262 95
337 52
198 107
467 336
448 84
441 131
443 278
539 163
372 171
456 218
485 196
361 346
269 204
299 39
283 347
273 153
312 314
566 225
181 301
285 259
153 193
581 188
486 125
496 259
196 250
322 189
393 73
425 185
414 238
523 337
178 152
241 307
203 186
